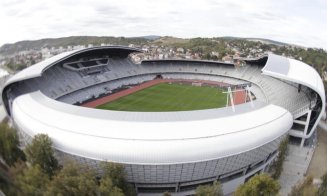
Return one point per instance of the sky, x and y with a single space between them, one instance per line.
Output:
301 22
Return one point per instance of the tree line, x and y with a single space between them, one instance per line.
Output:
35 171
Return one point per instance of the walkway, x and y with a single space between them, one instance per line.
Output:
318 165
295 167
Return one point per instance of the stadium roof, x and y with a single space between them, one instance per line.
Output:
188 60
150 137
297 72
37 69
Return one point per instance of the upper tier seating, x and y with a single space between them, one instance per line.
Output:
102 75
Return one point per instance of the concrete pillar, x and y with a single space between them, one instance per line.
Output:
306 127
177 187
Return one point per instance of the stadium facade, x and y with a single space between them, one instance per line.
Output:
166 151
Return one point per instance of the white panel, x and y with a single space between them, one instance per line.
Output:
150 142
304 74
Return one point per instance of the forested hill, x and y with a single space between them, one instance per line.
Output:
9 49
206 48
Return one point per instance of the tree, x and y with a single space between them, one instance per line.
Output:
9 145
166 194
209 190
277 166
15 66
7 184
261 184
306 188
5 181
33 181
116 173
73 179
40 152
322 191
108 189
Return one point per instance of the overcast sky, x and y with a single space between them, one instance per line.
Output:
302 22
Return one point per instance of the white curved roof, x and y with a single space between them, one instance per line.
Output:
146 141
37 69
297 72
294 71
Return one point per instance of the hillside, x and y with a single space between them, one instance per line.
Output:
167 40
9 49
200 48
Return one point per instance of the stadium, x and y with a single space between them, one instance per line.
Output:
173 124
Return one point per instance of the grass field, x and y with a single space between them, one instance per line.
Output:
169 97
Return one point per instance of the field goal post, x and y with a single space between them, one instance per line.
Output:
237 88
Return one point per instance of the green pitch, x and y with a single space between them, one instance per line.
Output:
169 97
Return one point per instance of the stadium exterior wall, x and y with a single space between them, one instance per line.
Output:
183 178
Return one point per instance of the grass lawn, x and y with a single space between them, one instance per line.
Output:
169 97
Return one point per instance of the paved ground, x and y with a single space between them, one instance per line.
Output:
301 162
323 125
295 167
318 165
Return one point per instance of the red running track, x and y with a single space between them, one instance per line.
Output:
239 97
